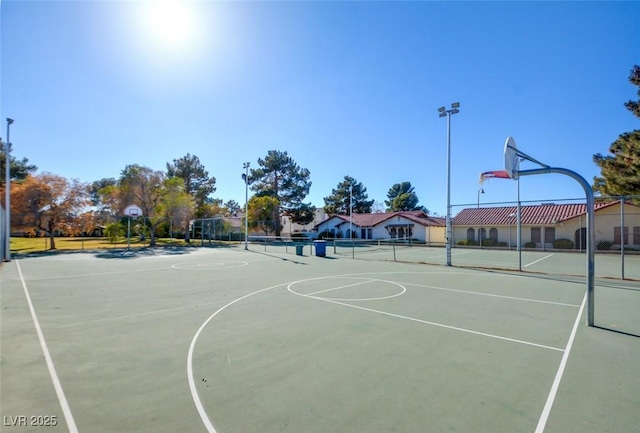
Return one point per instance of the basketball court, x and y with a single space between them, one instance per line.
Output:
228 340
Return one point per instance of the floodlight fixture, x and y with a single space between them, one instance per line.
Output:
455 105
441 109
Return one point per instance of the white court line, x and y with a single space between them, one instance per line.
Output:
192 386
426 322
341 287
539 260
542 422
64 405
452 254
493 295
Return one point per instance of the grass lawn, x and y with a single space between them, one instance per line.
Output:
33 245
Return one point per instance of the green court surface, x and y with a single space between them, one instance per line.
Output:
265 340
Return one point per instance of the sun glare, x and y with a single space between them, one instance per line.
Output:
170 21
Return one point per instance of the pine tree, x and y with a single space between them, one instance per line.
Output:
196 179
401 196
279 176
620 170
349 191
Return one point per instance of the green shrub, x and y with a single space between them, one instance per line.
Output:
502 244
563 244
326 235
113 231
530 245
301 236
604 245
488 243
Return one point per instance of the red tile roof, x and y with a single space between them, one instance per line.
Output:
544 214
373 219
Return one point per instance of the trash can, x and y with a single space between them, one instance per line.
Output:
321 248
299 250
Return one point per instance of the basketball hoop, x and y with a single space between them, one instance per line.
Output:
133 211
511 158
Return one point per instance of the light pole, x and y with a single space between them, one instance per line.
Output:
245 176
351 212
480 191
7 194
447 113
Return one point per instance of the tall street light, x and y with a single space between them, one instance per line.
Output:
353 250
480 191
7 194
245 176
447 113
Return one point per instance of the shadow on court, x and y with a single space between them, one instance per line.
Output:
143 252
284 259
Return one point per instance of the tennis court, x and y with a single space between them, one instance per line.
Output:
228 340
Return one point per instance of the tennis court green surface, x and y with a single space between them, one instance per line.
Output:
266 340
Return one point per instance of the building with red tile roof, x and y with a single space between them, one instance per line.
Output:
385 225
543 224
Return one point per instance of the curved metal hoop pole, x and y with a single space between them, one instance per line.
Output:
591 233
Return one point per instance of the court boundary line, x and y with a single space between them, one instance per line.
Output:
426 322
192 386
191 381
515 298
62 400
539 260
546 411
368 281
341 287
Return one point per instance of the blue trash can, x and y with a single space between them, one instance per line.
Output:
321 248
299 249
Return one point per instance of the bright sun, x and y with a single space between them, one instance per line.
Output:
170 21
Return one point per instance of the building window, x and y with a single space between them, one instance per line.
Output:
401 233
580 238
549 234
471 234
535 235
482 234
636 235
493 234
616 236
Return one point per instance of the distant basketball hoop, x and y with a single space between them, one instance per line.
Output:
133 211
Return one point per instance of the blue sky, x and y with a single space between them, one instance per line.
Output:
346 88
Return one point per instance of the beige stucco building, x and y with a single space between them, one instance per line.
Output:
545 223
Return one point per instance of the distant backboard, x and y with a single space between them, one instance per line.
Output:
511 158
133 211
